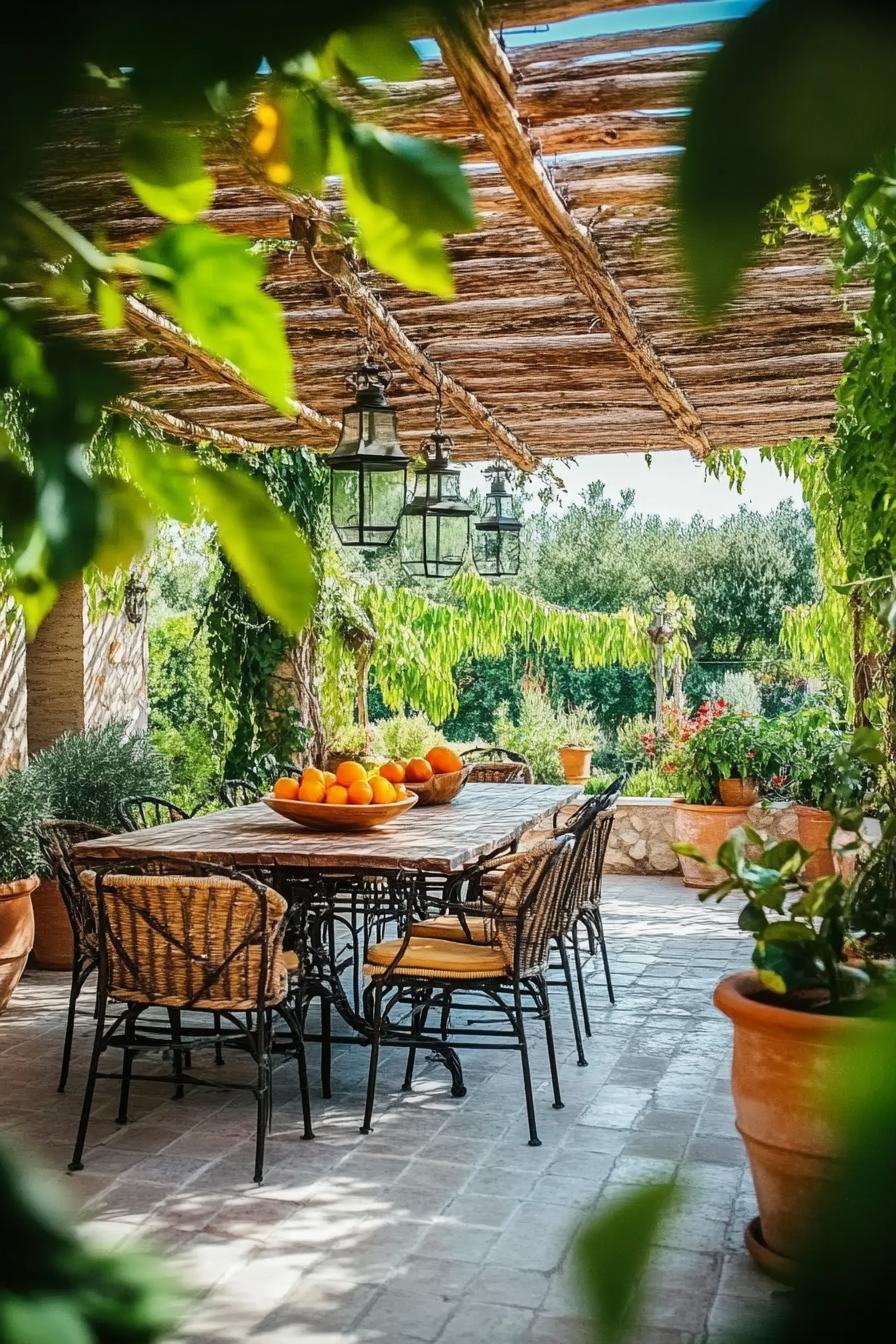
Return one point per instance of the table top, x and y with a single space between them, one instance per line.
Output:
483 818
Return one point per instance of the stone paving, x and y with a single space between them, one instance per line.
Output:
442 1225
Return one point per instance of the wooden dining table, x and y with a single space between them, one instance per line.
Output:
483 819
438 841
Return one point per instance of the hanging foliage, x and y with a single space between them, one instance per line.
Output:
418 643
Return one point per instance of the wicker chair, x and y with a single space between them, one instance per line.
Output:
528 908
141 810
494 765
201 941
57 839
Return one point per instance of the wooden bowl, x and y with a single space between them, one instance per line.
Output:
338 816
440 788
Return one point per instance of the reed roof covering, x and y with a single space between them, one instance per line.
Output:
570 332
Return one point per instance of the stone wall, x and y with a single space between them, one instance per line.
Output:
644 830
13 696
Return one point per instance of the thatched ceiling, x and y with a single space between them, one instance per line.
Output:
533 364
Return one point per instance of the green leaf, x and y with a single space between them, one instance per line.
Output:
780 104
27 1320
752 919
270 555
379 49
611 1254
419 181
109 303
166 170
125 525
417 259
216 296
789 932
166 479
689 850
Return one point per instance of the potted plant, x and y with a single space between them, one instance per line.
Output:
580 730
18 879
794 1018
83 777
716 769
803 752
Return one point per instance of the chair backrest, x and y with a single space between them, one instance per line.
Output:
197 939
57 839
141 810
289 770
591 842
239 792
496 765
533 902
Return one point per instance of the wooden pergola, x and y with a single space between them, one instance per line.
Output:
570 332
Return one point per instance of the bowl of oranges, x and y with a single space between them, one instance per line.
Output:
351 799
436 777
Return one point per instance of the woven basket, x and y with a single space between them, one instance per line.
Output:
499 772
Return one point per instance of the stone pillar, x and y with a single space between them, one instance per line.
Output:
13 694
82 673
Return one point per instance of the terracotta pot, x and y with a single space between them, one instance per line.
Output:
16 933
739 792
52 929
785 1069
814 828
707 827
576 762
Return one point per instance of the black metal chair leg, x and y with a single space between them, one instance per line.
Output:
219 1049
76 1164
294 1022
177 1052
127 1066
374 997
549 1037
262 1097
79 977
573 1010
418 1026
520 1027
577 957
604 957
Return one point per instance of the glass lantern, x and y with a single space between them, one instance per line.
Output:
496 536
368 469
435 524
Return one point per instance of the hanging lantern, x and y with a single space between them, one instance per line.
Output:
134 600
368 470
496 536
435 524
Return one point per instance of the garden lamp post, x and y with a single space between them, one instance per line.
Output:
496 535
368 469
660 631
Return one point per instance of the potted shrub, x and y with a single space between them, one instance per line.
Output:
803 749
795 1017
18 868
580 730
716 769
83 777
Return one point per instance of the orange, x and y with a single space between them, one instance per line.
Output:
444 761
312 772
336 794
286 787
401 793
393 771
329 778
349 772
311 791
382 790
418 771
360 792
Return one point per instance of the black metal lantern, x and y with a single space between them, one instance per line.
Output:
134 600
435 524
496 536
368 470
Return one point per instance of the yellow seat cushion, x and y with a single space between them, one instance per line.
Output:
437 959
478 929
291 960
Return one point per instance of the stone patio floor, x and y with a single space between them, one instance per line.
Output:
442 1225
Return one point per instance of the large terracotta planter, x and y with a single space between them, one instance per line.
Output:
53 949
784 1072
16 933
707 827
814 829
576 762
739 792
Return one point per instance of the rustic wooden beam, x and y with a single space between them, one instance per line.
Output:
146 321
189 431
485 79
